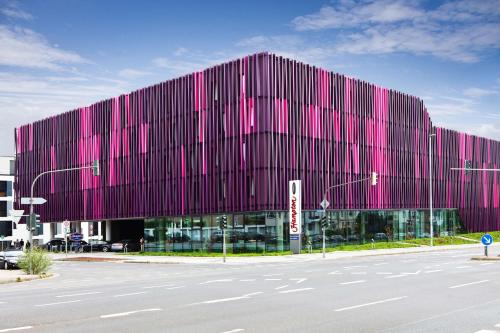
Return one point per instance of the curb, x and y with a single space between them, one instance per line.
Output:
28 279
483 258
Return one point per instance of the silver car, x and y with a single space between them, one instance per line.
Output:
10 258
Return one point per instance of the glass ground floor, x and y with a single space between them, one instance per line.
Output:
268 231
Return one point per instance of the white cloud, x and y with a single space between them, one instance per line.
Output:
180 51
459 30
25 48
129 73
478 92
16 13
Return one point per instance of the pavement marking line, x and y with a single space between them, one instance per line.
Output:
414 273
130 294
57 303
352 282
485 331
486 264
81 294
335 273
300 280
234 331
16 328
160 286
247 280
371 303
172 288
273 279
381 263
358 273
229 299
433 271
383 273
468 284
462 267
294 290
281 287
123 314
215 281
396 276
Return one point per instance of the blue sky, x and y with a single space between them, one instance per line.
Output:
60 54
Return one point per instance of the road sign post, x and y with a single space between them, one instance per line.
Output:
487 240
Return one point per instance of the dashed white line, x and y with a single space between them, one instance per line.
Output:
459 267
468 284
396 276
20 328
215 281
281 287
247 280
371 303
433 271
234 331
123 314
221 300
131 294
159 286
353 282
485 331
57 303
81 294
177 287
298 280
273 279
335 273
294 290
383 273
381 263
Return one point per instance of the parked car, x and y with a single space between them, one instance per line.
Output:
353 238
130 244
178 237
97 245
337 238
56 244
380 236
10 257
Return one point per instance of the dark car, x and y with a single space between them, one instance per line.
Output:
380 236
178 237
97 246
10 257
55 244
129 245
337 238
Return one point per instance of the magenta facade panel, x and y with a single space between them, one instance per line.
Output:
229 138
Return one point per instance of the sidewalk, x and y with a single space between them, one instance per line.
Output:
494 251
15 275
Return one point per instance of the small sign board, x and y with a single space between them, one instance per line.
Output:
76 237
487 239
324 204
36 201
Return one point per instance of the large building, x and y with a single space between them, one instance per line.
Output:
177 155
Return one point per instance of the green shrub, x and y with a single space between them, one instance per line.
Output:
35 261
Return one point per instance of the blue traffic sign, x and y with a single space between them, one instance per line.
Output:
76 237
487 239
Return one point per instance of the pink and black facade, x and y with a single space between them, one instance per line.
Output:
229 138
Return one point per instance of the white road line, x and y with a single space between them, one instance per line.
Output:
123 314
131 294
353 282
381 263
172 288
16 328
234 331
433 271
335 273
229 299
462 267
273 279
57 303
274 274
294 290
485 331
383 273
468 284
396 276
159 286
298 280
358 273
247 280
215 281
81 294
486 264
371 303
281 287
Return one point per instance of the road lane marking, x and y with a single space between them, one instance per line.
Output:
358 273
353 282
433 271
248 280
298 280
81 294
215 281
273 279
383 273
281 287
485 331
294 290
177 287
131 294
274 274
459 267
16 328
396 276
229 299
159 286
371 303
486 264
234 331
123 314
57 303
468 284
335 273
381 263
414 273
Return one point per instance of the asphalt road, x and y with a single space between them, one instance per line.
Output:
423 292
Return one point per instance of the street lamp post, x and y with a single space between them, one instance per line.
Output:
430 189
95 171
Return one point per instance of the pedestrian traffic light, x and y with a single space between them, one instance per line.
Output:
223 222
374 178
324 222
95 168
33 222
468 166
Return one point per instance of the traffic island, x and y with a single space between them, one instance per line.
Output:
89 259
14 276
484 258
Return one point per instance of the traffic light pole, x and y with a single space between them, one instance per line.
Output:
94 166
324 243
224 244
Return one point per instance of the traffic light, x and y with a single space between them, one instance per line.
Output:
223 222
95 168
468 166
324 222
374 178
33 222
